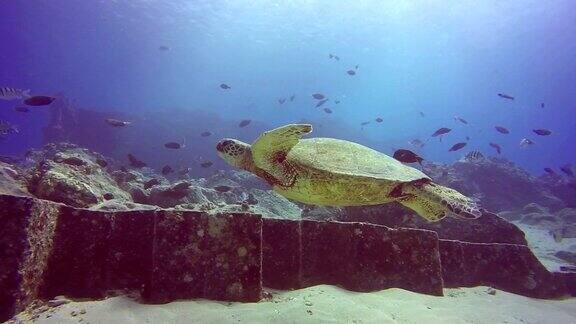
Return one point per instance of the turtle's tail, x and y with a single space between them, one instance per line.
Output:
434 202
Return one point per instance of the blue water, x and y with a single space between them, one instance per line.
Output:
443 58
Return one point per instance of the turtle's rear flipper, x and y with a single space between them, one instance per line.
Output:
434 202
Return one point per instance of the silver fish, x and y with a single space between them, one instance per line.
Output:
526 143
7 93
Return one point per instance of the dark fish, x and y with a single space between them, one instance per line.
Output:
151 183
321 102
292 97
502 130
225 86
39 101
337 57
567 169
460 119
22 109
550 171
467 138
542 105
379 120
164 48
7 93
457 147
542 132
407 156
336 101
281 100
365 123
330 55
441 131
356 66
206 164
351 72
497 147
222 188
166 170
318 96
505 96
205 134
116 122
174 145
244 123
135 162
328 110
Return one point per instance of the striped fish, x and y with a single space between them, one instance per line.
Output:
474 156
7 93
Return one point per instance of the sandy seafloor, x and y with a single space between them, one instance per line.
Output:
329 304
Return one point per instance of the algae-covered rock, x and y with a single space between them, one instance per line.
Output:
11 180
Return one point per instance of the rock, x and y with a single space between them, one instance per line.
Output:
567 256
355 256
568 231
120 205
272 205
491 291
545 219
532 208
11 181
510 215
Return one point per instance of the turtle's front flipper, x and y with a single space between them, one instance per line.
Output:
435 202
270 149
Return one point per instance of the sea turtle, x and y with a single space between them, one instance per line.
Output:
333 172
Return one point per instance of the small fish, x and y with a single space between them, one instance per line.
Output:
505 96
421 114
379 120
39 101
330 55
351 72
164 48
166 170
151 183
416 142
135 162
457 147
225 86
116 122
22 109
318 96
222 188
174 145
407 156
542 105
526 142
365 123
244 123
441 131
7 93
206 164
550 171
328 110
321 102
205 134
292 97
502 130
542 132
336 101
497 147
184 171
467 138
460 119
337 57
356 67
567 169
281 100
474 156
7 128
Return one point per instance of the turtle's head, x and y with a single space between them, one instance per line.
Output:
235 153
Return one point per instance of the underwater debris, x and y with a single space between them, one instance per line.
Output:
245 123
407 156
116 122
39 101
542 132
7 93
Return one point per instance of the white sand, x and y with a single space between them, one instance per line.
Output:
544 246
327 304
